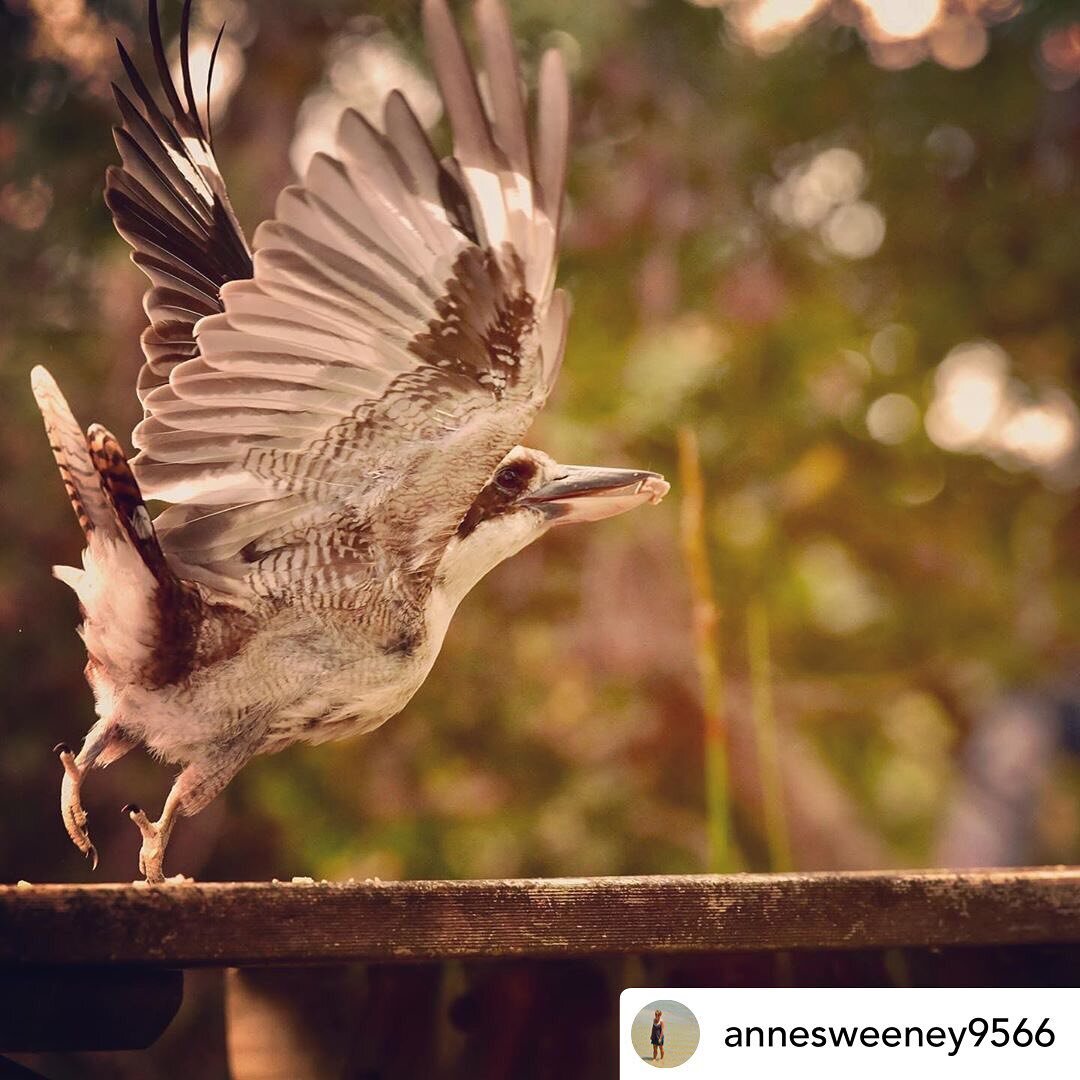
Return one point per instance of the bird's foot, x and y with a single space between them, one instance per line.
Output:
155 837
71 808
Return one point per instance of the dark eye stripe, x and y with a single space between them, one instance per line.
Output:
499 495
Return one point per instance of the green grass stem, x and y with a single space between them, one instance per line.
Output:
767 738
706 619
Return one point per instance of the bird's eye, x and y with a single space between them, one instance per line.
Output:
510 480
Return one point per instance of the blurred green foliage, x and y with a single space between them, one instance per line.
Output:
728 273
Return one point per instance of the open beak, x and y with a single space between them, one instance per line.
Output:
584 493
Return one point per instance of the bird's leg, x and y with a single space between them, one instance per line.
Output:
195 787
104 743
71 807
155 836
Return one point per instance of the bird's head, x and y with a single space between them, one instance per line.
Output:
527 494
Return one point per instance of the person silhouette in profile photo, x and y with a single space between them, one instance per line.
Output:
657 1037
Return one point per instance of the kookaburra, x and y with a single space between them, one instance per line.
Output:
333 414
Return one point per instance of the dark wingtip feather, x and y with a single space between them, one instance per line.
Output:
154 115
125 59
161 61
210 83
185 68
169 204
455 200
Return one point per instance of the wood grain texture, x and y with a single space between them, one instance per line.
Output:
244 924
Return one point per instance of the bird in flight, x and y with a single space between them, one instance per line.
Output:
333 415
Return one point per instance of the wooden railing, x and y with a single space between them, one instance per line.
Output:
109 958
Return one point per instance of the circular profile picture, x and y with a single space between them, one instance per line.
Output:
665 1034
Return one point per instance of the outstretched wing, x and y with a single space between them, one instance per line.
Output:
397 337
169 202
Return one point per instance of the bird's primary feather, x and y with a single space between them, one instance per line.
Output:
168 200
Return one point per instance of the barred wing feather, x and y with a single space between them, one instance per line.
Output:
169 202
346 403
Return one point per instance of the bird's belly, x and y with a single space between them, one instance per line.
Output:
311 683
363 696
338 711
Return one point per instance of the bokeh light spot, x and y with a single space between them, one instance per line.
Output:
978 408
1060 55
855 231
951 150
902 18
842 599
25 206
969 390
809 191
362 70
892 418
1042 435
959 41
768 25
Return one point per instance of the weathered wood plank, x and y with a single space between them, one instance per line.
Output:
241 924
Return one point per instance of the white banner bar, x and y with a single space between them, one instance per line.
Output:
837 1033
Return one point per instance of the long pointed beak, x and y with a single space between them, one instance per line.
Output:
584 493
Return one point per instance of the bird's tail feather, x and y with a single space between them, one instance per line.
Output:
102 488
122 491
69 447
123 566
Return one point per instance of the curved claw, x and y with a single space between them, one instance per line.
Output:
92 855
